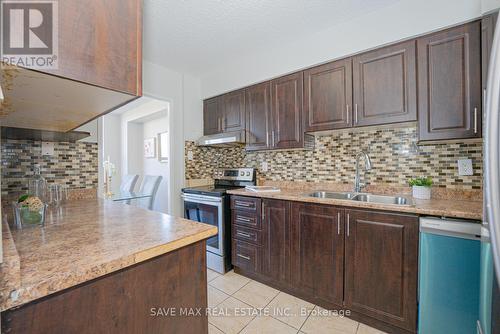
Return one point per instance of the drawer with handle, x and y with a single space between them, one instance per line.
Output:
247 234
246 256
245 203
246 218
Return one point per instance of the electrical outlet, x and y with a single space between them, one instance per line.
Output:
190 155
264 166
47 148
465 167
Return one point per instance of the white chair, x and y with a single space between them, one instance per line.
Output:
150 185
128 182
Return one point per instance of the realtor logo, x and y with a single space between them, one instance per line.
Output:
30 33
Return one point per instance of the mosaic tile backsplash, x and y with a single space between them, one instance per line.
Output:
73 164
395 155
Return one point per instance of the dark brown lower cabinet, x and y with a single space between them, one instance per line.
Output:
247 256
318 251
381 266
131 300
276 240
360 260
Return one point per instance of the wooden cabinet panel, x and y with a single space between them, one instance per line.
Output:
246 219
246 256
449 83
211 117
276 236
318 251
100 42
246 234
258 112
328 96
250 204
233 111
381 266
384 82
286 109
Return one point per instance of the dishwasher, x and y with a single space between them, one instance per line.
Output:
449 271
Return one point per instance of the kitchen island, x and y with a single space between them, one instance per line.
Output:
103 267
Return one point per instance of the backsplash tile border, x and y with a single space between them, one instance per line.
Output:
73 164
395 153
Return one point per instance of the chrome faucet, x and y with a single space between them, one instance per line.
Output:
368 166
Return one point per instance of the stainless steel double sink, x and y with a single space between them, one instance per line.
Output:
362 197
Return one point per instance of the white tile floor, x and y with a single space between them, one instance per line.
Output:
241 305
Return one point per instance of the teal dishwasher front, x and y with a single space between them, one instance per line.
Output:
450 252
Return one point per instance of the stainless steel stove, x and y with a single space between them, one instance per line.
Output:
210 205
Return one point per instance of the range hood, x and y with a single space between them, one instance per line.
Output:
227 139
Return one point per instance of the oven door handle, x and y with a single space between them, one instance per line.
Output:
201 200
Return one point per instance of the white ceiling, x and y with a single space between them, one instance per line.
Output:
195 36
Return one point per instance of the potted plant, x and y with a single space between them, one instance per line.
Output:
421 187
29 211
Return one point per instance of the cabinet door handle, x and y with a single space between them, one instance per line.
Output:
244 204
348 224
272 137
243 219
347 113
243 257
338 223
246 235
356 113
263 213
475 120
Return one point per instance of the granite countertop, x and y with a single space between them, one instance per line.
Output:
466 209
83 240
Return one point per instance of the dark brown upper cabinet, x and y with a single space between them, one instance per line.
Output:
258 110
449 83
318 251
384 82
225 113
211 116
100 43
286 111
381 266
328 96
233 111
99 68
276 240
488 24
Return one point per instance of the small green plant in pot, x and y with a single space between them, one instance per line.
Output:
29 211
421 187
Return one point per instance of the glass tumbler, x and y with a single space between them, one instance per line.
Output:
56 194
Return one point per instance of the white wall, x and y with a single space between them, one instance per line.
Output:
489 5
135 149
402 20
110 146
151 129
91 127
186 121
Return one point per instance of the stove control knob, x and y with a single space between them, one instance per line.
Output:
248 173
242 173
